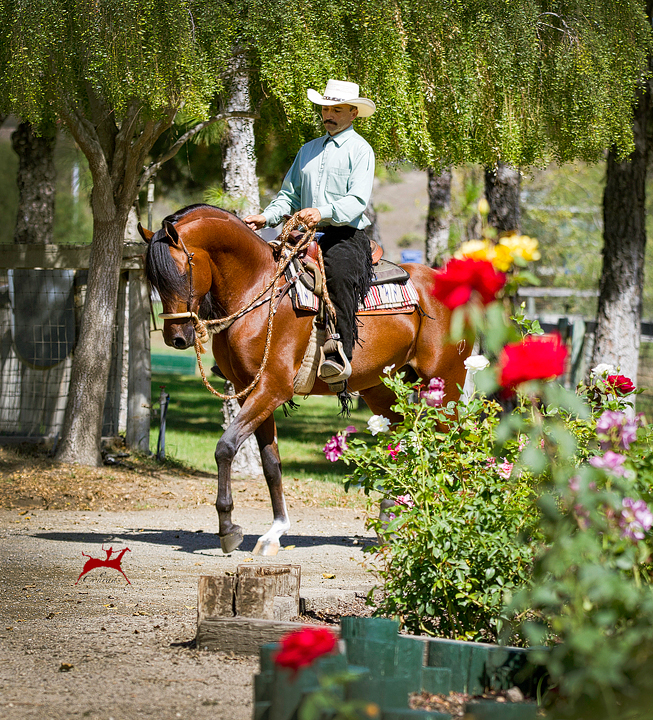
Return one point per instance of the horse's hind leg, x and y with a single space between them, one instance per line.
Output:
268 544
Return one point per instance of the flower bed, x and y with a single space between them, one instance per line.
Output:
377 669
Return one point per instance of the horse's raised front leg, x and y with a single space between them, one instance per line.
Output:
266 435
256 411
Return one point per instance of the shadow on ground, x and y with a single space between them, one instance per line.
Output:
191 542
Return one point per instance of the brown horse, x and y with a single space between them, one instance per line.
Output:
231 264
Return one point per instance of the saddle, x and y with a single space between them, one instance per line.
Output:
385 272
324 339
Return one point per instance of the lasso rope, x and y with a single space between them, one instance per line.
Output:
202 326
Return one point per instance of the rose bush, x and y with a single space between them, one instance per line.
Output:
462 535
533 526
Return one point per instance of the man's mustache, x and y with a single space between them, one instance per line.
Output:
329 122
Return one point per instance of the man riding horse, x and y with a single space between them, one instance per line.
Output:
330 183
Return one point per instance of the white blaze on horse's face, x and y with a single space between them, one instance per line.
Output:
180 332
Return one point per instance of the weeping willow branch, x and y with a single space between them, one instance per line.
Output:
151 169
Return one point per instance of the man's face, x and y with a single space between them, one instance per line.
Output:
337 118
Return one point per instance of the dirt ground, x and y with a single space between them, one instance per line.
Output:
105 648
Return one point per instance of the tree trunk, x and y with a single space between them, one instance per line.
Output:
439 216
239 156
502 186
36 184
39 387
619 311
90 370
241 182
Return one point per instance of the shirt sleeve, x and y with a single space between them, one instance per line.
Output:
288 199
344 210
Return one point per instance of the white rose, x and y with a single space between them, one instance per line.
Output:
474 363
378 424
604 369
388 369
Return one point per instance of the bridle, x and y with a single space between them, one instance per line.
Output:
189 313
220 324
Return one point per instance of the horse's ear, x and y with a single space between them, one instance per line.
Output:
171 232
147 235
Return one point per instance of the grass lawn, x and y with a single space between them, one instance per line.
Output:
194 425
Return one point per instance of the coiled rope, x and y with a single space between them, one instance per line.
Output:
202 326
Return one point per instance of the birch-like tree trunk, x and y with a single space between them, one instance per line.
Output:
619 313
240 182
438 219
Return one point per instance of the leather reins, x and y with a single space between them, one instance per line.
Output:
218 325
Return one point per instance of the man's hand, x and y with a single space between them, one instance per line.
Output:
310 217
254 222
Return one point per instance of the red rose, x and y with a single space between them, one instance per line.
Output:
460 280
620 384
300 648
537 357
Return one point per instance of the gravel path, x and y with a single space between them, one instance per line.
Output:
106 649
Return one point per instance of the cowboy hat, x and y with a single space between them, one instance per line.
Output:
339 92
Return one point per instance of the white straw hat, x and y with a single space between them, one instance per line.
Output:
339 92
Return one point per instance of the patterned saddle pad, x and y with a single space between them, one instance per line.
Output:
386 298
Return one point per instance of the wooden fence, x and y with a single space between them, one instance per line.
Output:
42 291
578 331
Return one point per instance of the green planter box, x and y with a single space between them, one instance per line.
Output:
391 666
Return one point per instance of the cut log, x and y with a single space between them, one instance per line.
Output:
255 597
242 636
215 597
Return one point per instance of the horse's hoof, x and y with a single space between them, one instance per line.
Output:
267 547
230 541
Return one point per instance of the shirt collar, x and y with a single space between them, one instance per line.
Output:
341 137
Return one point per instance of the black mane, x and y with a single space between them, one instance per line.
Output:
162 270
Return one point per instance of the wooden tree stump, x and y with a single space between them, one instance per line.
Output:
237 613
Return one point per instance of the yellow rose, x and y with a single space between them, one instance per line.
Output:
475 250
503 258
522 246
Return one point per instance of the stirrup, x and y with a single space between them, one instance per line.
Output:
338 378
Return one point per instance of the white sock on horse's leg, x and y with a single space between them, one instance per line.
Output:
269 544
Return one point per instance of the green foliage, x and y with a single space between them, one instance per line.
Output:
215 195
454 82
161 52
8 191
464 537
591 593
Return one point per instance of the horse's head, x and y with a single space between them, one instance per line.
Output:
182 276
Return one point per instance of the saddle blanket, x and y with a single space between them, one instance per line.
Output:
393 297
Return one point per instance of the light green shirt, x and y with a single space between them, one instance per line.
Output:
332 174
